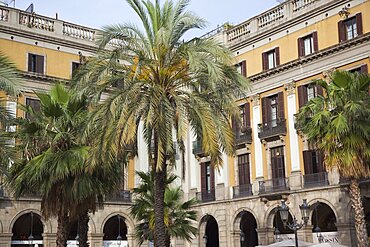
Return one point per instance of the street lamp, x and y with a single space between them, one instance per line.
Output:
294 226
30 237
242 236
205 239
77 238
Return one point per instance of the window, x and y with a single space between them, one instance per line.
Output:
313 162
350 28
75 66
34 104
361 70
207 177
277 165
241 125
308 92
242 68
243 169
308 44
35 63
271 59
272 110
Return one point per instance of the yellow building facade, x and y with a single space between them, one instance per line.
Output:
282 51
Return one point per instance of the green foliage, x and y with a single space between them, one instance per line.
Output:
339 123
179 218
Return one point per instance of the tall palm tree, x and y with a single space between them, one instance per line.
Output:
178 217
165 84
54 161
339 124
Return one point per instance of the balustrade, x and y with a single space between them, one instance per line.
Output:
238 32
4 14
301 4
271 16
36 21
78 32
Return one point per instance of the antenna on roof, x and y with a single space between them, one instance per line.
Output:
30 8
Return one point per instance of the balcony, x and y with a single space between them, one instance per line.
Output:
272 130
197 149
244 136
206 196
37 24
120 196
316 179
273 185
243 190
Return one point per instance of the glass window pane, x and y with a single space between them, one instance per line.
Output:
271 59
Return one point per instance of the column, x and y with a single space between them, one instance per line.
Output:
256 110
5 239
96 239
49 239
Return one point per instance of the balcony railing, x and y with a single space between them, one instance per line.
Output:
244 136
301 4
273 185
197 148
206 196
315 179
243 190
120 196
272 129
35 23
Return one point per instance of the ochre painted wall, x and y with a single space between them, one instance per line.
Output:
58 63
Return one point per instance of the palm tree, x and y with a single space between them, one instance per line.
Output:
54 161
339 124
179 218
167 85
9 83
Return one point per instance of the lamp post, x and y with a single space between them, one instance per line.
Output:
205 239
30 237
242 237
295 225
119 237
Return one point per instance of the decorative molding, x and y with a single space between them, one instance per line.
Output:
290 87
255 100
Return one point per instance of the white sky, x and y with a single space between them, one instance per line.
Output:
93 13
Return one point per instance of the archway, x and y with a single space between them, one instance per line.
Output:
323 221
115 231
211 235
28 229
281 232
248 232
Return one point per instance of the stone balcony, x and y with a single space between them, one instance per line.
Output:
282 13
13 20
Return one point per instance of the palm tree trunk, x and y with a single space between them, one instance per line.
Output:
160 236
83 229
62 229
360 223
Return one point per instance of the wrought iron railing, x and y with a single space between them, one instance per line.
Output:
242 190
272 128
244 136
273 185
206 196
315 179
197 148
120 196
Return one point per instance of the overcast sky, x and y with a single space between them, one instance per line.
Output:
93 13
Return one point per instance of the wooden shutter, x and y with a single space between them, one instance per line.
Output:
302 95
264 61
247 114
39 64
203 179
315 42
359 23
307 160
212 171
244 68
320 161
265 110
30 60
300 47
364 69
241 170
280 99
277 56
341 31
319 90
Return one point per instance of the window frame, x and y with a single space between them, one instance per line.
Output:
34 61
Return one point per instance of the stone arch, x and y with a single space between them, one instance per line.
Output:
323 216
128 221
207 224
46 224
325 201
92 226
245 229
237 219
27 225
